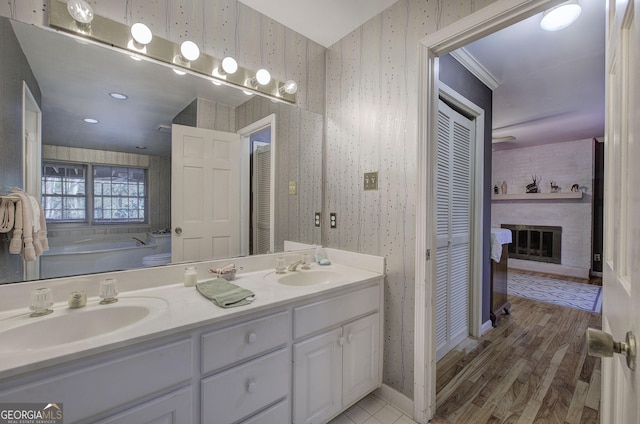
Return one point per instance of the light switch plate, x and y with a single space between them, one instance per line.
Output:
371 180
293 187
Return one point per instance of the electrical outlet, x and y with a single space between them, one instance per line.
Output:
333 220
317 218
371 180
293 187
596 257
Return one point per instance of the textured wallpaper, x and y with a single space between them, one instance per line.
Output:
371 125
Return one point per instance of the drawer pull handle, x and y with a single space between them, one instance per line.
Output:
251 386
252 337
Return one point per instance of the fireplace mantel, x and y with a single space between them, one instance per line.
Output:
538 196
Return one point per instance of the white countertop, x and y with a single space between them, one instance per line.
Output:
186 309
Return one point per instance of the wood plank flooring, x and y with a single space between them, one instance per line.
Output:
532 368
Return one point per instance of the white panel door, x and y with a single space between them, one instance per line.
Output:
205 194
360 358
453 225
621 305
262 200
317 378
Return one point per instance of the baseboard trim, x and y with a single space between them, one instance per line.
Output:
485 327
395 398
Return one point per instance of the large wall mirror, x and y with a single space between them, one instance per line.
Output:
51 82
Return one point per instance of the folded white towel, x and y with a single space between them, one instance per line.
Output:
7 214
25 241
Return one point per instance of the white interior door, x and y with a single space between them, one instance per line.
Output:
621 305
205 194
261 200
453 226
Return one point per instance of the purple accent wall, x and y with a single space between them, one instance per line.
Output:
461 80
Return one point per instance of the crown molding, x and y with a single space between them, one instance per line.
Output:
467 60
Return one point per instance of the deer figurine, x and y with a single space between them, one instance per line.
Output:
554 187
533 187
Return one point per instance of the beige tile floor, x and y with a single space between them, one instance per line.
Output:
372 410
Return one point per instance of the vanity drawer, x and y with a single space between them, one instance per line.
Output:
314 317
277 414
229 345
245 389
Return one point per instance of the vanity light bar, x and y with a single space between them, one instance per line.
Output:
118 35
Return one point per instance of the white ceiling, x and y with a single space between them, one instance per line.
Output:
551 84
323 21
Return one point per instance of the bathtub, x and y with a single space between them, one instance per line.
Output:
93 255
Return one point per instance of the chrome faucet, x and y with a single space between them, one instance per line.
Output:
294 265
144 243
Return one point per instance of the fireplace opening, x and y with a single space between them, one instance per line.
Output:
535 243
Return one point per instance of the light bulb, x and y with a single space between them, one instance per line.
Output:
560 16
289 87
263 77
229 65
141 33
189 50
80 11
179 72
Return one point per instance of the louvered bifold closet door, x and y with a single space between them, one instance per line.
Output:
453 191
261 200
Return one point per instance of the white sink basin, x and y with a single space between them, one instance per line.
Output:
71 325
309 278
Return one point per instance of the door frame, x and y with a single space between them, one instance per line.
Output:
489 19
245 170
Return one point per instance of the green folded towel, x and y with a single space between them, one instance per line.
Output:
224 293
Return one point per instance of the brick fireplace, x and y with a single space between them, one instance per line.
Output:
566 164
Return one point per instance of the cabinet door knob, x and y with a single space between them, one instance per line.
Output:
252 337
251 386
178 230
602 344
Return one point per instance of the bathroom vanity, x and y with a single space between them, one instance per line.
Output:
302 352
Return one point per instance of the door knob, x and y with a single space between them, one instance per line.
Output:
602 344
178 230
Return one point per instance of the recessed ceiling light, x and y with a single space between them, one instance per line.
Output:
248 93
214 82
141 147
119 96
90 120
560 16
179 72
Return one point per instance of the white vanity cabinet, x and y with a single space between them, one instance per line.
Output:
251 362
302 360
340 365
124 385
